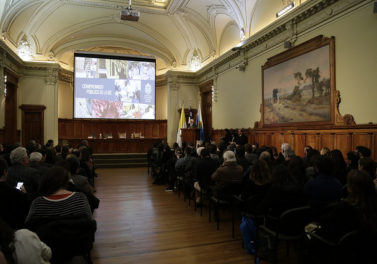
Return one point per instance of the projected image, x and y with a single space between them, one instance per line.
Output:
115 88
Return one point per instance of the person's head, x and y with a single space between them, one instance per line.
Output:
229 156
50 155
199 150
85 143
240 151
55 179
362 194
73 164
296 168
19 156
323 165
337 158
35 157
260 173
352 160
1 148
324 151
239 131
367 165
289 154
65 151
204 153
306 148
363 152
266 156
285 147
3 168
50 143
248 148
84 154
212 149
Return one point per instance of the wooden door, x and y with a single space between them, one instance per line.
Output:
33 123
206 104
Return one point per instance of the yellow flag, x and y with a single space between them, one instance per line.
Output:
182 120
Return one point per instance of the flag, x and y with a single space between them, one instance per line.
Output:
190 118
182 124
199 123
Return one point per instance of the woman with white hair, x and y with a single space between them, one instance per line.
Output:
20 172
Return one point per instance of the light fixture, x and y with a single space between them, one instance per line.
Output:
24 50
195 63
129 13
5 85
214 93
242 34
285 9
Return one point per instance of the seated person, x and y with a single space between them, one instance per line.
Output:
61 218
229 173
205 167
22 246
324 188
56 200
14 204
20 172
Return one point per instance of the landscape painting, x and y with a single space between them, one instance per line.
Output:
299 89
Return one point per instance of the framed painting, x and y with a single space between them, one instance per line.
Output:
298 85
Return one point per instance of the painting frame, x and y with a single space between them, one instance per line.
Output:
289 100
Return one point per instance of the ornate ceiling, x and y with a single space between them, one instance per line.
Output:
180 34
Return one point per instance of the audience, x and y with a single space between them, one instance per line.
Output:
280 181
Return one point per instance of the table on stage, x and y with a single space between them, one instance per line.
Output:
117 145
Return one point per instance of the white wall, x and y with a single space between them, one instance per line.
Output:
65 100
36 91
162 102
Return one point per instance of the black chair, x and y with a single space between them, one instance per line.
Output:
226 200
288 227
353 247
68 236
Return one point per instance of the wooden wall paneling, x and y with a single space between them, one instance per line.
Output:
148 130
140 128
362 139
155 130
311 140
289 138
343 142
327 141
299 143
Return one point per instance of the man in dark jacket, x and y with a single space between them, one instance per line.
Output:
228 174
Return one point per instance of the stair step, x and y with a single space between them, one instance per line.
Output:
120 160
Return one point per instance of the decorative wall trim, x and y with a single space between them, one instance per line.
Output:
308 15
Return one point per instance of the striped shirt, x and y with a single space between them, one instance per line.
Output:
64 205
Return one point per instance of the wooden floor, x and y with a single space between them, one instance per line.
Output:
138 222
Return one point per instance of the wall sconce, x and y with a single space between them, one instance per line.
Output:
242 34
5 85
285 10
214 93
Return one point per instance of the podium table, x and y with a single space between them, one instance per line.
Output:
190 135
117 145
